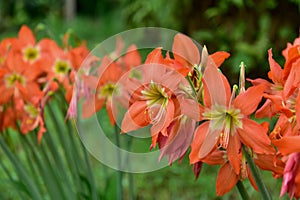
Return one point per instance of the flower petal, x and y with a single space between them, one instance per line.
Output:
136 117
288 144
179 138
132 57
298 108
161 117
155 56
209 143
276 72
248 101
26 35
226 179
255 136
215 85
192 109
199 135
185 50
219 57
234 153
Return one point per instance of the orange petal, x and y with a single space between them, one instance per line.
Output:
192 109
136 117
255 136
215 85
165 119
267 162
293 80
234 153
109 106
26 35
215 158
200 134
298 108
185 50
292 56
276 72
132 57
288 144
219 57
155 56
248 101
209 143
267 110
226 179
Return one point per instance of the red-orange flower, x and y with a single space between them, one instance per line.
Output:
227 124
153 99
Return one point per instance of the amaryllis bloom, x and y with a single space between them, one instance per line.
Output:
36 54
226 120
103 86
153 99
19 81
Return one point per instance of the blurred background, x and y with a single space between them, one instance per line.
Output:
244 28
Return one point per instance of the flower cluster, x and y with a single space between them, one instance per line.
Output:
181 94
30 72
190 104
283 102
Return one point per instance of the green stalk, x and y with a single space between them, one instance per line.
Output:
192 85
242 190
119 172
11 179
265 194
22 174
130 175
90 174
49 173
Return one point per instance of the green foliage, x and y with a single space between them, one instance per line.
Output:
58 168
245 28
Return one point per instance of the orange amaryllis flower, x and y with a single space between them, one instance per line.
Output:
104 86
153 99
227 124
19 81
282 93
37 55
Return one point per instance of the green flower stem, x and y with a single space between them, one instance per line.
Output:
265 194
130 175
192 85
119 172
242 190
